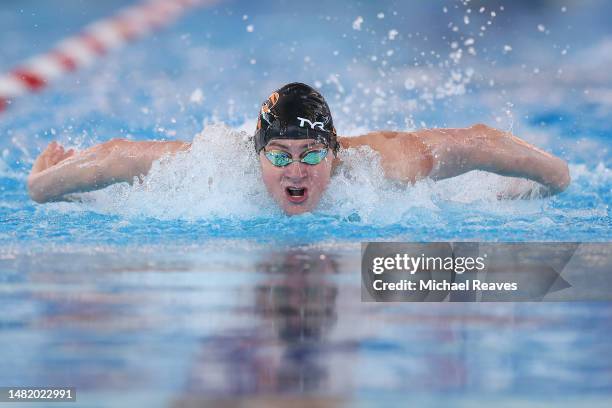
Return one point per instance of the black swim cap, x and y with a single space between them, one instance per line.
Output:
295 111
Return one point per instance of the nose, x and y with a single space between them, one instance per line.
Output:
295 170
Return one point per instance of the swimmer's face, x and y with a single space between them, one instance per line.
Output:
297 187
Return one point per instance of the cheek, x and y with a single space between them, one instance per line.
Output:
321 176
270 175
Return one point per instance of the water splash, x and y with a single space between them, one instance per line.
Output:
220 178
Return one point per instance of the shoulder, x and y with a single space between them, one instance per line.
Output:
387 141
369 139
404 155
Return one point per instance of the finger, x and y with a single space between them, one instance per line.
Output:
67 154
56 154
52 150
54 145
50 147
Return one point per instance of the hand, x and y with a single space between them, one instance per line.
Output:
52 155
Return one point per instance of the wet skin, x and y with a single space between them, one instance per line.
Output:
297 187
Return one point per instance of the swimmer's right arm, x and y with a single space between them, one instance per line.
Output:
57 172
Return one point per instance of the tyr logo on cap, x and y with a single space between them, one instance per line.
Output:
313 125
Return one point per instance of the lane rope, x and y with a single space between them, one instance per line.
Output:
95 40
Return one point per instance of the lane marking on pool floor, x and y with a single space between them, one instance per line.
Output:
95 40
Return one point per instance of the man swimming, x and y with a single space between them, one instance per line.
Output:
297 147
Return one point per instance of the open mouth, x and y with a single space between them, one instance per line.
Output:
296 194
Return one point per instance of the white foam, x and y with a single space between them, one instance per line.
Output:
360 187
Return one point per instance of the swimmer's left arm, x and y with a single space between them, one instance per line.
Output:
480 147
444 153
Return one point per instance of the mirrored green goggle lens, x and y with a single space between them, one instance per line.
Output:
278 159
282 159
314 157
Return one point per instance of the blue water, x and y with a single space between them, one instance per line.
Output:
210 285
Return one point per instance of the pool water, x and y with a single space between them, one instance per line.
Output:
180 291
173 327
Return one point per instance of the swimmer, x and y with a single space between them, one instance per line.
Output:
297 147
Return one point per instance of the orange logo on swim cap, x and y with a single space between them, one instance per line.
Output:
269 104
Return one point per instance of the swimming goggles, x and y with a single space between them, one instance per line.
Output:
281 159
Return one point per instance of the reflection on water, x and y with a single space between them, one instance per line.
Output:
294 305
209 327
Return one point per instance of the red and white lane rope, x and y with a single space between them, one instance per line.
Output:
94 41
